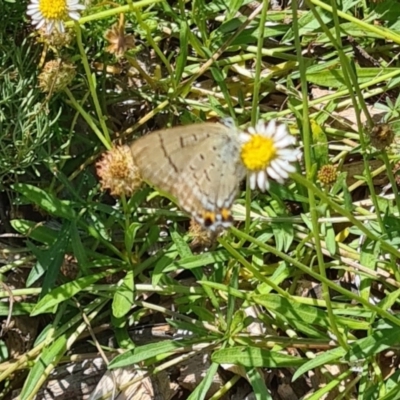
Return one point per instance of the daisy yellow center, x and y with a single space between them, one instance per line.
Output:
258 152
53 9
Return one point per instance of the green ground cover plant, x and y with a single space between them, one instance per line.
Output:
298 299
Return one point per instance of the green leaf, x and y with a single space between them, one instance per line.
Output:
257 382
220 79
183 50
194 329
46 201
130 234
333 78
162 263
152 237
50 355
124 296
255 357
199 260
145 352
237 322
50 261
320 147
376 342
392 388
55 259
182 247
4 354
370 251
65 292
17 309
202 389
330 237
78 249
35 231
295 312
321 359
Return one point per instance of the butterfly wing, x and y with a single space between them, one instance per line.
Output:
198 164
155 154
210 181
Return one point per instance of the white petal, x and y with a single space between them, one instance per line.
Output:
40 23
285 166
37 16
252 180
49 26
60 26
33 12
260 126
285 141
77 7
33 7
266 183
273 174
287 154
271 128
244 137
262 181
251 130
281 132
74 15
281 173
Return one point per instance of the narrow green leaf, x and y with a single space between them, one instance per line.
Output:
182 247
257 382
376 342
255 357
46 201
199 260
54 258
33 230
196 330
330 238
65 292
78 249
320 147
392 387
163 264
17 309
220 78
124 296
233 8
294 312
152 237
130 234
183 50
145 352
50 355
322 359
49 261
333 78
202 389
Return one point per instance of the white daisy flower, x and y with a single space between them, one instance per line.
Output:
266 153
50 13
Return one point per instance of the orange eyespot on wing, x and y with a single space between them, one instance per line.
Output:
226 215
212 220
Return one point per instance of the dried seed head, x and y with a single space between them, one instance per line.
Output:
327 174
118 172
56 76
